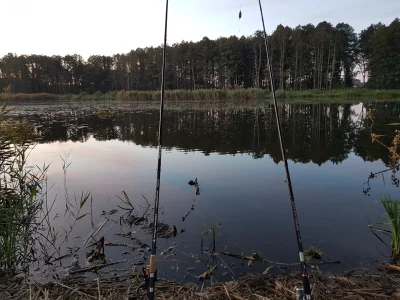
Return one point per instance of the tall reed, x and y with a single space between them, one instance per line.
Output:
25 224
21 198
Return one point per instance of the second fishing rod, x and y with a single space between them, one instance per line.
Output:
151 272
306 293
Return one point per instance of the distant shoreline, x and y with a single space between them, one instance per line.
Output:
211 94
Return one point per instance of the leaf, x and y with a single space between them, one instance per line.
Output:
167 250
383 230
146 200
71 212
19 276
205 275
207 232
208 274
126 200
393 124
379 238
124 208
386 233
81 217
266 272
84 199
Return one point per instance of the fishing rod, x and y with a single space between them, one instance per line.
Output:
306 293
151 272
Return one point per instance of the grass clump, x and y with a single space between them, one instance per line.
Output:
313 253
21 197
392 211
392 214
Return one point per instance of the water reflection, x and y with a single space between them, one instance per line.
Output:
313 132
116 151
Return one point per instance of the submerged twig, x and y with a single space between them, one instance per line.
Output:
95 231
77 291
391 267
251 258
96 267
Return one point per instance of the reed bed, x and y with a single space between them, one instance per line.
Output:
256 94
212 94
28 97
362 284
20 195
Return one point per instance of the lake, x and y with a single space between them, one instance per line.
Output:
233 151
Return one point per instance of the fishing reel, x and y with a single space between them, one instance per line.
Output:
146 274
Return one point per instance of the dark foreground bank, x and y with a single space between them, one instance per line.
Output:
360 284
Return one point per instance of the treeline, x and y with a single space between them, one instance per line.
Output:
321 57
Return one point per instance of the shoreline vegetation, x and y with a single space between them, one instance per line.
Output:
356 284
210 94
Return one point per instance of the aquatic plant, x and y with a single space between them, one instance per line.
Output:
213 232
313 253
392 214
105 114
392 211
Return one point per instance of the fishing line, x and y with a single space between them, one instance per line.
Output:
151 271
306 293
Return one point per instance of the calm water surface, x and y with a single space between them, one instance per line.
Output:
235 155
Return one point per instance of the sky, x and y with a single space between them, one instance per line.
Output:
107 27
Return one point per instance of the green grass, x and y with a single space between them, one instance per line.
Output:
213 94
392 214
392 211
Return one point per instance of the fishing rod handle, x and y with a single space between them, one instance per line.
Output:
150 292
151 277
153 264
304 293
306 286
